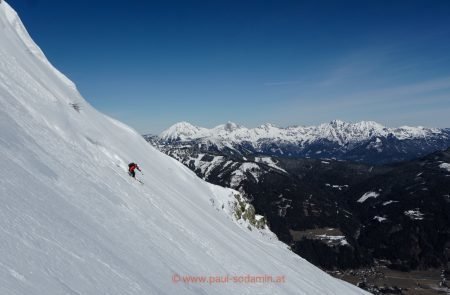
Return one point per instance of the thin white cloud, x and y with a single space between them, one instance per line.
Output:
280 83
423 88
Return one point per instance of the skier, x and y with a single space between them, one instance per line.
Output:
131 168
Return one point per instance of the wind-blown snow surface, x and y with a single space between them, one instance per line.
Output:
73 222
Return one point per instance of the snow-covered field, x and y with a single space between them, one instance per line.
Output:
270 162
445 166
367 196
73 222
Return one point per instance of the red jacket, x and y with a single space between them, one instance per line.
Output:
133 166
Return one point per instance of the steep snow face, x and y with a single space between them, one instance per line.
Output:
336 131
73 222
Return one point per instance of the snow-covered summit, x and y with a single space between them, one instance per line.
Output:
73 222
228 127
181 131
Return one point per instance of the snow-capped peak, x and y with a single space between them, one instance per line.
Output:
369 125
337 123
267 126
180 131
228 127
405 132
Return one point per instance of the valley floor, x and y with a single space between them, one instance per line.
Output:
382 280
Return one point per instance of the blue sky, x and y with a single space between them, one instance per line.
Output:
154 63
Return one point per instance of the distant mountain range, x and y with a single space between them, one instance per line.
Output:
366 141
335 213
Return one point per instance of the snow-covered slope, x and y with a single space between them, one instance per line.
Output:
73 222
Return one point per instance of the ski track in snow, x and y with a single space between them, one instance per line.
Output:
73 222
